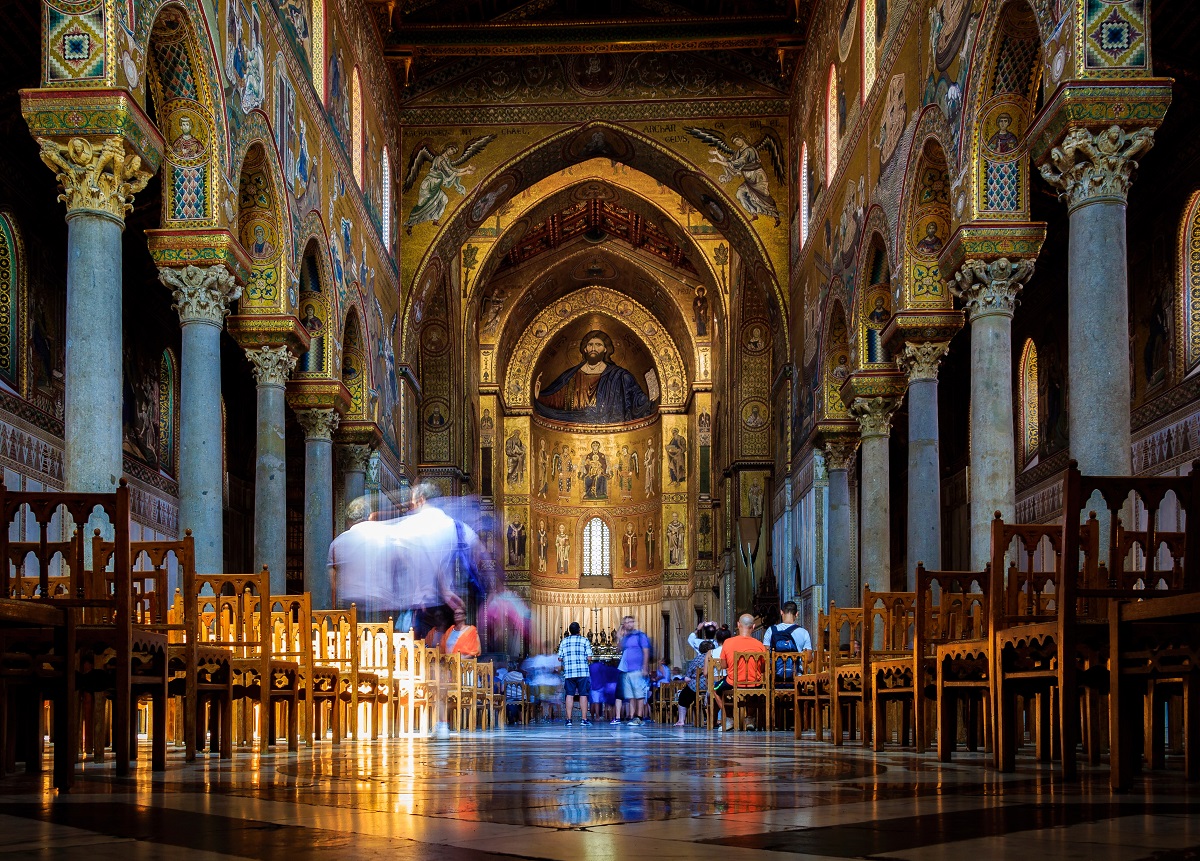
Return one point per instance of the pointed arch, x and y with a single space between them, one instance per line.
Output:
264 225
355 367
14 308
925 225
1189 281
1028 421
319 314
835 363
873 302
831 127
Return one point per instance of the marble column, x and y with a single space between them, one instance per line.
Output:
319 425
202 296
875 421
98 182
272 366
989 290
353 460
1093 171
920 363
841 584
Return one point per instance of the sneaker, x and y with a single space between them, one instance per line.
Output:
442 731
636 722
585 722
615 722
569 722
728 724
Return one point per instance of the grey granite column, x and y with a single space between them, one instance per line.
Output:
920 363
1093 172
353 460
875 421
319 425
98 183
842 584
989 290
202 297
272 366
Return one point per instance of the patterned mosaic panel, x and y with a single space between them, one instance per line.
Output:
189 192
74 42
1003 189
1115 34
1015 65
175 67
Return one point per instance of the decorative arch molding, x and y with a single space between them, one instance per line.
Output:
320 313
312 229
1029 426
273 276
518 377
629 147
1189 281
1005 72
14 306
835 346
186 115
355 367
925 227
873 303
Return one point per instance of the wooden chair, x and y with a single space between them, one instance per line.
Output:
954 605
458 688
757 669
891 671
488 704
292 642
336 644
714 674
847 673
813 686
377 649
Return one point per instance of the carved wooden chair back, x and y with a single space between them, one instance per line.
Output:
956 610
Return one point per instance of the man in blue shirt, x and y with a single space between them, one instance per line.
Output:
635 658
575 651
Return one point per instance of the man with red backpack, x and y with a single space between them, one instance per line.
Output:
786 640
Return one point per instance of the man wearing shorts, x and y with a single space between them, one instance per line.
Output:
575 652
635 659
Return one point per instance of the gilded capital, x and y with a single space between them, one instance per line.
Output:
1089 166
354 458
920 359
840 451
202 293
319 423
874 415
100 178
272 365
991 286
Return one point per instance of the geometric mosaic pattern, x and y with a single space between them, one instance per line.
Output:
1015 64
75 44
189 192
1003 192
175 68
1116 34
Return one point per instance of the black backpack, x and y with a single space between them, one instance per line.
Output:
782 641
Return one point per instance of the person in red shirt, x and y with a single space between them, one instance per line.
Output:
748 673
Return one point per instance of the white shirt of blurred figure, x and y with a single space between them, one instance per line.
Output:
426 542
361 561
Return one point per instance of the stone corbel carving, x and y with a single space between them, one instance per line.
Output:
272 365
840 452
318 423
354 458
1089 166
201 294
101 178
991 286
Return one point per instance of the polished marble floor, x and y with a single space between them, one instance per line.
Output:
605 792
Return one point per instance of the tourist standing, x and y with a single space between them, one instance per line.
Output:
575 652
635 659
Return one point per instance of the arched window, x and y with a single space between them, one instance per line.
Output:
868 50
168 412
804 213
1189 252
597 558
387 200
12 296
1029 403
831 128
356 128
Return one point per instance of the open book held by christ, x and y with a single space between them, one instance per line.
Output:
595 391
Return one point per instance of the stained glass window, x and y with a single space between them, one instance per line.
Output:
597 558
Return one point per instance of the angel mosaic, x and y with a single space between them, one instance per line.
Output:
445 172
739 158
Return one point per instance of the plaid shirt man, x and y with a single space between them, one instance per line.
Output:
574 651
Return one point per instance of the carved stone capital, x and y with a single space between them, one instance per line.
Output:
202 293
100 178
840 451
991 286
1089 166
318 424
920 360
874 415
272 365
354 458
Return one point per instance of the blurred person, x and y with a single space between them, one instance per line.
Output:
706 630
605 680
635 660
747 674
461 638
360 563
542 672
437 630
575 652
691 672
